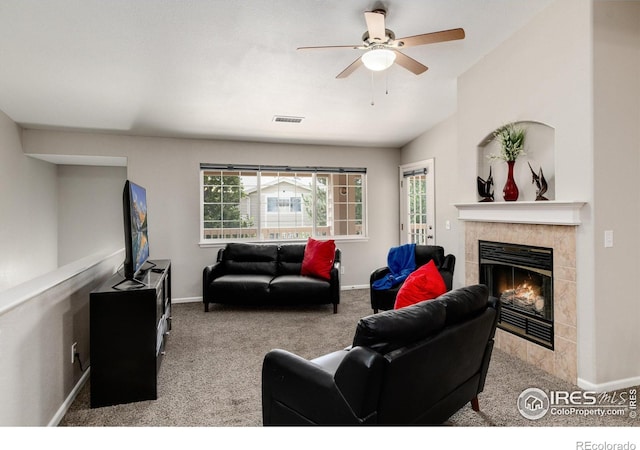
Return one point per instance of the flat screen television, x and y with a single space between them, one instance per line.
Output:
134 201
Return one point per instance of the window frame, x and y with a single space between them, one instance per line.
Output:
358 207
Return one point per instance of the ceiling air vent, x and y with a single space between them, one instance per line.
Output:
287 119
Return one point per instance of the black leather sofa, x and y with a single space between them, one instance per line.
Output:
385 299
267 274
414 365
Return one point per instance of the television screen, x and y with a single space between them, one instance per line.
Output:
135 228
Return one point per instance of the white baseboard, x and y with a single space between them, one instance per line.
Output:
609 385
199 299
59 415
186 300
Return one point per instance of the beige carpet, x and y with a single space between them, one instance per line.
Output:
210 375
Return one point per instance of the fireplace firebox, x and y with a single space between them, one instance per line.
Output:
521 278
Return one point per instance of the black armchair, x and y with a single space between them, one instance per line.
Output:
385 299
414 365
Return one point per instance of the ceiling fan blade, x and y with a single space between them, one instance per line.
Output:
350 68
331 46
431 38
375 25
409 63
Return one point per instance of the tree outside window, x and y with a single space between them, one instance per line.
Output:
273 205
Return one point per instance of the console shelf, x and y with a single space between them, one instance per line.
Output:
129 324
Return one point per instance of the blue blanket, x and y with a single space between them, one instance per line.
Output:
401 262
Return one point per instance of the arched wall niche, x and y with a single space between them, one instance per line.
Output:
539 152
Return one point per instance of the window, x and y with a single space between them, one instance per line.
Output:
226 206
280 203
295 204
291 204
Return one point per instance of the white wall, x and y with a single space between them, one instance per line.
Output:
617 194
543 73
28 211
549 72
169 170
441 144
89 210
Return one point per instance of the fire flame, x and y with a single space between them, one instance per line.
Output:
524 295
527 292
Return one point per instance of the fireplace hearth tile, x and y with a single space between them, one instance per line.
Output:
568 332
564 250
471 251
539 235
562 239
564 310
540 357
513 344
472 271
564 273
566 360
497 340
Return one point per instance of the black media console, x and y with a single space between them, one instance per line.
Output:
129 324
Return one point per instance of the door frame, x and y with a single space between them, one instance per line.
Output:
429 166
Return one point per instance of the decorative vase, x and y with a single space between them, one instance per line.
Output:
510 191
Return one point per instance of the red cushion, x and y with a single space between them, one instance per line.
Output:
318 258
424 283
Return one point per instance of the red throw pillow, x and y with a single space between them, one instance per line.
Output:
424 283
318 258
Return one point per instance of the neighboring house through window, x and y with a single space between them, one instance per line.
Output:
281 203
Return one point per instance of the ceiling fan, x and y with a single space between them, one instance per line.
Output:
382 46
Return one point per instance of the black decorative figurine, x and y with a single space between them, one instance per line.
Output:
485 188
540 182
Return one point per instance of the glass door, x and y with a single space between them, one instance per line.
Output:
417 203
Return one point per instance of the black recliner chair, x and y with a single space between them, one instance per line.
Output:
415 365
385 299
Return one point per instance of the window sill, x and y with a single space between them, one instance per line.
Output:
223 242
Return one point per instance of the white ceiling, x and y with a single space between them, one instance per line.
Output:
224 68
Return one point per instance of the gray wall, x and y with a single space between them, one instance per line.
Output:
169 170
548 81
563 81
36 334
28 211
574 87
616 194
89 210
43 308
441 144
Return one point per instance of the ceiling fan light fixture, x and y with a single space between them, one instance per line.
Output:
378 58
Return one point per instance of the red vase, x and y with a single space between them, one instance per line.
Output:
510 191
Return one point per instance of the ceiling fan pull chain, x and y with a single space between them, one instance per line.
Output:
373 103
386 83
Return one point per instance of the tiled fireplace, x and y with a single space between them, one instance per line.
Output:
561 359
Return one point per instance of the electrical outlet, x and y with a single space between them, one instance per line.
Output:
341 270
74 349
